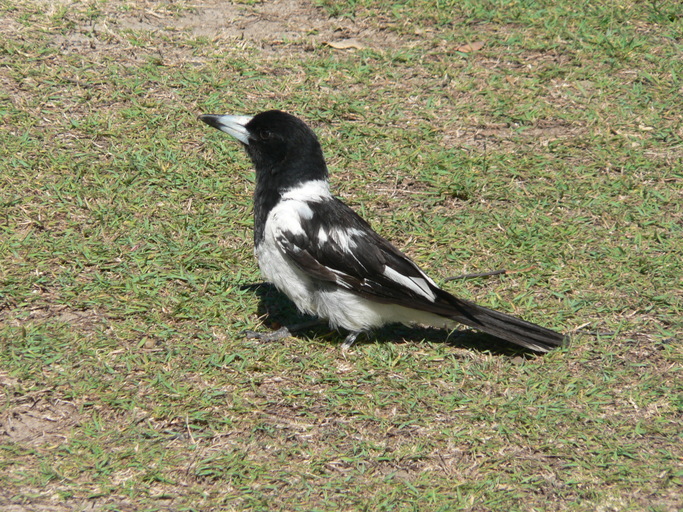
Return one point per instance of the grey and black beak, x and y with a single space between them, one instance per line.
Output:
232 125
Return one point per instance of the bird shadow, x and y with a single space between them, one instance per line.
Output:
276 310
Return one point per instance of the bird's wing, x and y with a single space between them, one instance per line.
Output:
333 244
336 245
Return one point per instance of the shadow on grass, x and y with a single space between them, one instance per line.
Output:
277 311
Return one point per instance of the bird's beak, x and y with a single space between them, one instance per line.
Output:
232 125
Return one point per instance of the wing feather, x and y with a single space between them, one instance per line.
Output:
336 245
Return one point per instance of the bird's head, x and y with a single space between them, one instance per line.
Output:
284 150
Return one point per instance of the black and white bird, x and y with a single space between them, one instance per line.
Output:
328 260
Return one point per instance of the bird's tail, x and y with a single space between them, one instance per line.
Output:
504 326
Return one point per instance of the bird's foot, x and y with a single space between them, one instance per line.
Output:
350 340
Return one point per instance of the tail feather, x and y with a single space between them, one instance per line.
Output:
507 327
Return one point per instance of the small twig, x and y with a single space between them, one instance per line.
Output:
488 274
479 274
582 329
600 333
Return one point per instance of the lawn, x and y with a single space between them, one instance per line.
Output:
541 137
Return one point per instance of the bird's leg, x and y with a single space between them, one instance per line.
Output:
350 340
282 332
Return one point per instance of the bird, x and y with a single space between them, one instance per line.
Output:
328 260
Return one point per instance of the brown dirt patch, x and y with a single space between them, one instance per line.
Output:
39 422
84 319
268 24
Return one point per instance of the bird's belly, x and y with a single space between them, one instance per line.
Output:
346 309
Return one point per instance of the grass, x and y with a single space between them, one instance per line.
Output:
126 259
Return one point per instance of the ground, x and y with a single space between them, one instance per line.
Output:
541 138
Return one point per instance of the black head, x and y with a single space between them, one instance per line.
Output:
284 150
285 153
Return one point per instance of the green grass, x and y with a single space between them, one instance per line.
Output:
125 255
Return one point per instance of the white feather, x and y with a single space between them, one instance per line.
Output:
322 237
417 284
314 190
304 211
345 238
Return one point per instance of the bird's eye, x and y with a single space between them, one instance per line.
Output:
265 135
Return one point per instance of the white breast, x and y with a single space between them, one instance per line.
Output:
275 267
